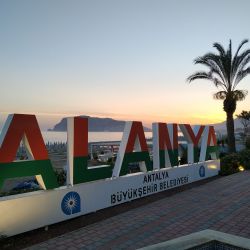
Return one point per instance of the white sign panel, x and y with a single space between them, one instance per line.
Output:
29 211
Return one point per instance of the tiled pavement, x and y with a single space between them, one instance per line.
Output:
222 204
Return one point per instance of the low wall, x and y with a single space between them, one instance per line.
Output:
24 212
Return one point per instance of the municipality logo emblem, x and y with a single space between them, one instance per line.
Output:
71 203
202 171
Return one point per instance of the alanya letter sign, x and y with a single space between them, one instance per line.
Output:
89 189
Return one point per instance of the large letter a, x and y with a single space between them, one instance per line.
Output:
20 127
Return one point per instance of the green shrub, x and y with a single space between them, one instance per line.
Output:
61 176
184 158
222 154
230 164
245 158
247 143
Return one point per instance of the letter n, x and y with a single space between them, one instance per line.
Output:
17 128
193 137
77 169
165 145
133 148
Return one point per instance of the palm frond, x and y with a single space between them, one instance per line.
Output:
220 48
229 51
239 62
225 66
218 83
199 75
241 70
226 62
240 95
240 46
241 74
220 95
236 59
214 68
215 64
244 60
225 71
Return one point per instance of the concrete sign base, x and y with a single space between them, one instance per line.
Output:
28 211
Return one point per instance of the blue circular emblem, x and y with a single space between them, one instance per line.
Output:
202 171
71 203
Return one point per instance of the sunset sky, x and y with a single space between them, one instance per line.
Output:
122 59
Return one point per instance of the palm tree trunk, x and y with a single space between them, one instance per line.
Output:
230 133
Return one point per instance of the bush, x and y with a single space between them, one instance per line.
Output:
245 158
61 176
183 159
222 154
247 143
230 164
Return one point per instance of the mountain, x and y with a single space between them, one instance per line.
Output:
97 124
221 127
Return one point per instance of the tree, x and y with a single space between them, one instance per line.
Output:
225 71
244 117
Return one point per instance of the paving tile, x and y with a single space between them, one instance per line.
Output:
222 204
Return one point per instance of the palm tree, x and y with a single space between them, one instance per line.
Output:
225 71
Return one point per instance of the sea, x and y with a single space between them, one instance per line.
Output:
61 137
